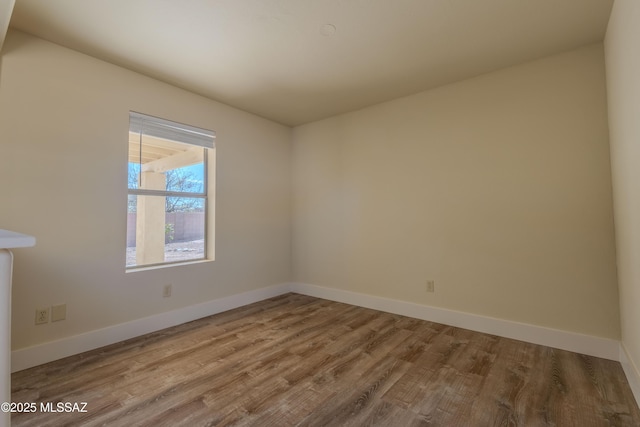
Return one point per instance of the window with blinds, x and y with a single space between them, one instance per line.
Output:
168 191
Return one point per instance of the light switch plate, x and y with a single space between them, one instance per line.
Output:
58 312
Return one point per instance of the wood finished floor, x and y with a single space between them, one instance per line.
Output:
298 360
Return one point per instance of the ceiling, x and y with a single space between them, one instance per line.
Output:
297 61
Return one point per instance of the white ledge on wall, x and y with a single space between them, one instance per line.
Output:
8 240
11 239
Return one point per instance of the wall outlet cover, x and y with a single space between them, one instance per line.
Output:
42 316
166 291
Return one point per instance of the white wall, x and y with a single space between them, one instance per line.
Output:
498 188
63 150
622 47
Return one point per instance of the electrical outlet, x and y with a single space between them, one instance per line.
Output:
166 291
42 315
58 312
431 285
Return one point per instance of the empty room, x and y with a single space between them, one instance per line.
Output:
337 212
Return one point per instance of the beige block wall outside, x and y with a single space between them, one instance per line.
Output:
623 90
63 149
498 188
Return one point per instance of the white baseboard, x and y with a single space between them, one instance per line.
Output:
631 371
54 350
571 341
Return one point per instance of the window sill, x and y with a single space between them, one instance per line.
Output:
167 265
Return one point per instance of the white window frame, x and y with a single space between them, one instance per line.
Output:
143 124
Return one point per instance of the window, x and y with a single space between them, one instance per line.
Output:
168 191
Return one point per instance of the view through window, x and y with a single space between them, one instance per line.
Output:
167 190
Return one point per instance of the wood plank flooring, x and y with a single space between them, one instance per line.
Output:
298 360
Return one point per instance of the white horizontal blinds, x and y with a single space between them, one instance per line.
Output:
166 129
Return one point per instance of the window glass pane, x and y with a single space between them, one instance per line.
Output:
161 164
184 204
166 166
177 234
134 161
134 174
131 230
188 179
185 219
